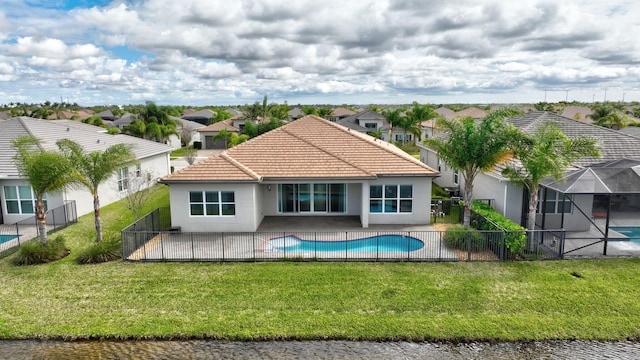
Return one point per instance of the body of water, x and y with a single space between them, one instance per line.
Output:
379 243
204 349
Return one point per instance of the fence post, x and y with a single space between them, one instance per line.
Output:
346 246
468 245
193 251
223 257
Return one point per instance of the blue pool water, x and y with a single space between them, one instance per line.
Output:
6 238
380 243
632 232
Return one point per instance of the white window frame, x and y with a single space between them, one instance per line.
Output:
456 176
556 201
21 200
123 179
220 204
383 199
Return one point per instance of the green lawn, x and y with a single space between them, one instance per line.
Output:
580 299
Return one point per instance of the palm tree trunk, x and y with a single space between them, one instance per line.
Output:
41 217
531 217
468 198
98 220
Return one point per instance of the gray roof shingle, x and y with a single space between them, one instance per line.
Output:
91 138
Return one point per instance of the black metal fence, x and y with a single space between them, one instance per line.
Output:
151 239
12 236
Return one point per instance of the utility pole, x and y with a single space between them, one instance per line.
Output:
566 96
545 96
605 95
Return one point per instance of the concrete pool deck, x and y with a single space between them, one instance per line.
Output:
244 246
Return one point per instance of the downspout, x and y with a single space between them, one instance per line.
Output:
504 202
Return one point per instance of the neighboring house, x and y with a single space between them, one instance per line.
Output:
106 115
238 121
510 200
339 113
208 133
125 120
309 167
17 198
366 122
472 112
369 122
204 117
191 126
294 114
445 112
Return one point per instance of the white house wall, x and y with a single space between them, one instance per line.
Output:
421 214
54 200
108 191
446 178
245 218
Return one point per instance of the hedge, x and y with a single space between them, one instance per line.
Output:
484 217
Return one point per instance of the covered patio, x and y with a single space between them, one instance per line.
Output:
605 216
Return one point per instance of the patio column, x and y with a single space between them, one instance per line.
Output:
364 212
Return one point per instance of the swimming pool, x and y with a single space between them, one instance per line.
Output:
7 238
379 243
631 232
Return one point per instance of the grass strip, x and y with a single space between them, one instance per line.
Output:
485 301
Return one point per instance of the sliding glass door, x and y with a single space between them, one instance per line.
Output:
312 198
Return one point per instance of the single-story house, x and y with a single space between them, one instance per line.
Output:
17 198
207 134
511 200
309 167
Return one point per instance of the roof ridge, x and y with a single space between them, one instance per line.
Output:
388 147
283 128
26 128
240 165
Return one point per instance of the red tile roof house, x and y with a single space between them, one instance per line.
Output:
309 167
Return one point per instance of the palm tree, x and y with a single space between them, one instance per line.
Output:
230 138
415 116
612 121
600 111
46 172
547 152
94 168
393 117
472 146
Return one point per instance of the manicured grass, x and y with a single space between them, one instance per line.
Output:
585 299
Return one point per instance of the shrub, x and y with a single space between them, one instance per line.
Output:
32 252
484 217
459 237
109 249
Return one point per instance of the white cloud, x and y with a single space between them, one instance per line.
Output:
364 50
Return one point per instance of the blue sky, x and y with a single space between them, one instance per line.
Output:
196 52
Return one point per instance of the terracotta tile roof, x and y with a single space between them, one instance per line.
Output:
342 112
308 148
473 112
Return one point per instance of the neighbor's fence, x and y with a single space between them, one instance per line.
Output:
14 235
152 239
